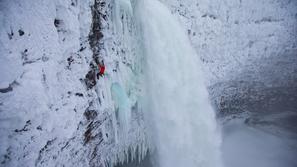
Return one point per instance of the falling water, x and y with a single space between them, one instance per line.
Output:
178 110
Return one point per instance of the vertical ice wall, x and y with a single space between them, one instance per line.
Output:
177 105
121 50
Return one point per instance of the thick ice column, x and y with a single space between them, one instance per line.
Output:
123 108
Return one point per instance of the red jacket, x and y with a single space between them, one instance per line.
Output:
101 69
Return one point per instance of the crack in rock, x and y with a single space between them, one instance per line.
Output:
9 88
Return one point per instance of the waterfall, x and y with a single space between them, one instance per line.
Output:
177 107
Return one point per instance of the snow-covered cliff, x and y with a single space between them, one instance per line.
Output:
236 37
245 46
42 98
53 111
249 52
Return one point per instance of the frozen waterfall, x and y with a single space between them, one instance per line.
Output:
177 107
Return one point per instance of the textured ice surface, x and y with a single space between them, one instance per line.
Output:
123 106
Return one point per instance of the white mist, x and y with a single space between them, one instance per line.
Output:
181 118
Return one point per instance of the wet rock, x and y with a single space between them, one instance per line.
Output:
90 114
268 20
235 97
9 88
57 22
92 132
73 2
70 60
10 35
44 150
6 157
44 58
90 79
210 16
21 32
82 49
6 90
25 128
79 94
39 128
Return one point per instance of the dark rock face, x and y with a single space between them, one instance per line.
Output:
90 79
9 88
240 96
271 108
95 42
96 30
266 90
57 22
21 32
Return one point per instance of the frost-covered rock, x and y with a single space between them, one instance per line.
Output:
248 49
49 116
237 38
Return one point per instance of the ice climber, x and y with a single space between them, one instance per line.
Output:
101 69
